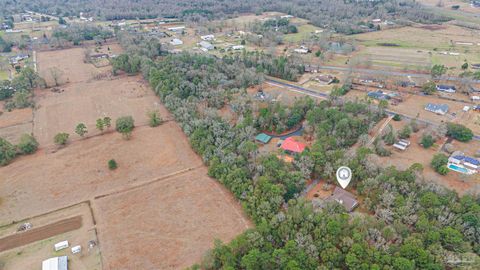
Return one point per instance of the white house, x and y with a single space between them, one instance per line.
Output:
207 37
238 47
206 45
177 28
176 42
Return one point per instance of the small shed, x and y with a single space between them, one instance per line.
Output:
263 138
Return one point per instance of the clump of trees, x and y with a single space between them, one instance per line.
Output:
76 33
103 123
459 132
8 151
125 126
439 164
28 144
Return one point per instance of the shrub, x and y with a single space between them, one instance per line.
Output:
28 144
154 119
439 163
81 129
112 164
459 132
61 138
125 125
397 117
427 141
405 132
7 152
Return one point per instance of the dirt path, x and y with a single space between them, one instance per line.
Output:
44 232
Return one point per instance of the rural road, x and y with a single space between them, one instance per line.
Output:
389 73
309 92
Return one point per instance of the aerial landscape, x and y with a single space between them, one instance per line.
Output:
208 134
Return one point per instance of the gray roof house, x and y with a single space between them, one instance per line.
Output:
206 45
446 88
441 109
344 198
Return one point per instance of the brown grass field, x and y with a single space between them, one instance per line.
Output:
171 227
157 210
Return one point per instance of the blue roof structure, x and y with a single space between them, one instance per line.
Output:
468 159
442 87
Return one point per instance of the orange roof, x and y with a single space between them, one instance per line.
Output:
293 146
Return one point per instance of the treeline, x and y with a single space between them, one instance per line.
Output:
76 33
342 16
405 223
287 68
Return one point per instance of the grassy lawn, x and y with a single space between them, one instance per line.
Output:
304 32
3 75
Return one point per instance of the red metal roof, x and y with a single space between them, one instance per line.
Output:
293 146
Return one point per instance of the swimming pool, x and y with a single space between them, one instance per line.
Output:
458 169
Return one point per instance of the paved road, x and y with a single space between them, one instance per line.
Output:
389 73
306 91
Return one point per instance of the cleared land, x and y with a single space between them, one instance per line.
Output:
171 227
158 208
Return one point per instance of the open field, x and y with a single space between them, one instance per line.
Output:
15 123
84 102
159 180
171 227
71 64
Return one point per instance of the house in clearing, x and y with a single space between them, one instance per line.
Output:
446 88
263 138
344 198
293 147
176 42
441 109
207 37
463 164
206 45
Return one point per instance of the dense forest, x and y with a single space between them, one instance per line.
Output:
404 222
344 16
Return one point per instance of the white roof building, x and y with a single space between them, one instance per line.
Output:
238 47
206 45
176 29
176 42
207 37
55 263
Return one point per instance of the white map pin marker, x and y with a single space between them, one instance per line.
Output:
344 176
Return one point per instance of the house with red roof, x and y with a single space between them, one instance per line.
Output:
292 146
